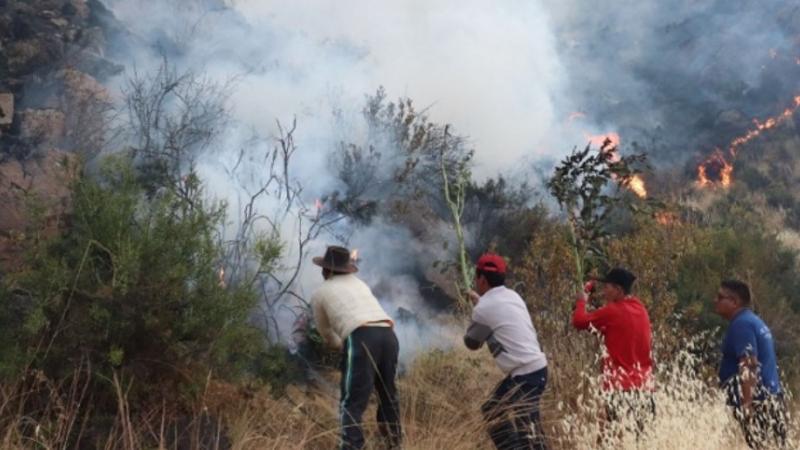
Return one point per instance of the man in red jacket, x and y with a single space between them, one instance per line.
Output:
625 326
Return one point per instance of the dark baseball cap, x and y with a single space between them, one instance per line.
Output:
620 277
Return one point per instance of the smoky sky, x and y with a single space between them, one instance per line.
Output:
526 81
489 70
679 76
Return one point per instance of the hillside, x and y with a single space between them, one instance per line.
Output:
156 238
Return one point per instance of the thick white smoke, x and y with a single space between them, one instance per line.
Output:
525 80
489 69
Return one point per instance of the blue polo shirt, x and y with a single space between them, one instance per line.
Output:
748 335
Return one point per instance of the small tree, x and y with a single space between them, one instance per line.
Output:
581 185
455 180
256 256
132 289
171 118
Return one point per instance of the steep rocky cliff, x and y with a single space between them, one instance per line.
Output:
53 108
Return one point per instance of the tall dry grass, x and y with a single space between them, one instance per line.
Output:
441 394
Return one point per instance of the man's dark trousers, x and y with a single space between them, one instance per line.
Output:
766 426
369 358
513 412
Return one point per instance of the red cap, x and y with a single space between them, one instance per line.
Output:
491 262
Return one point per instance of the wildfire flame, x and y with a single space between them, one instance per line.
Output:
600 139
318 205
609 143
221 276
760 126
716 170
666 218
636 184
576 115
354 255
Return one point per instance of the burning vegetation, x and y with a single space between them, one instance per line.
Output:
637 186
170 312
717 169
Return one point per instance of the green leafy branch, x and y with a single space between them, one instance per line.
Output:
581 184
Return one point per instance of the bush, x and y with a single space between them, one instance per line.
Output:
133 289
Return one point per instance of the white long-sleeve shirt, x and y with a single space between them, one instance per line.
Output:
342 304
501 320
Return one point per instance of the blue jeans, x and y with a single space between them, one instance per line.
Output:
512 412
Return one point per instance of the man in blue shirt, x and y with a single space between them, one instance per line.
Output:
749 370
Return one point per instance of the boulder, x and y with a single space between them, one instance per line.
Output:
43 184
6 108
42 127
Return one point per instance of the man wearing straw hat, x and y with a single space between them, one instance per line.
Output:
349 318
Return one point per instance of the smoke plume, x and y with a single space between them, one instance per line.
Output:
525 80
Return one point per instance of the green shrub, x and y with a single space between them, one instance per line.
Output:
132 288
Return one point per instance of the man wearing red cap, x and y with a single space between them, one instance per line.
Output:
501 320
625 326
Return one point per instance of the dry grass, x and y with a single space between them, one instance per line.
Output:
441 394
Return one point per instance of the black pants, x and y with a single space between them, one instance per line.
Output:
635 408
766 426
512 412
369 359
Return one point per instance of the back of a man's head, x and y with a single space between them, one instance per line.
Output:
328 273
494 279
492 267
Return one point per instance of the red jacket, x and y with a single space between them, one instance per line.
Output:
625 327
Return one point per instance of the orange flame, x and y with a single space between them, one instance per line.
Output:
702 178
636 184
666 218
600 139
770 122
717 162
609 143
576 115
726 175
221 276
715 170
318 205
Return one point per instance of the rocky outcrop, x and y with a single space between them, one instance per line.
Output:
53 110
35 195
6 109
51 57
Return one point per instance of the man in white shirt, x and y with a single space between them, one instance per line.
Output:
501 320
349 318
